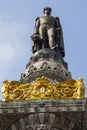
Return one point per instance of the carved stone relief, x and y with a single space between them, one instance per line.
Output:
44 121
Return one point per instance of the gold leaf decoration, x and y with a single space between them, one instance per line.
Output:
43 88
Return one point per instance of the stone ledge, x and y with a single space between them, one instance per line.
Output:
51 105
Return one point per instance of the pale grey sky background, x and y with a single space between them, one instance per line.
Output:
17 18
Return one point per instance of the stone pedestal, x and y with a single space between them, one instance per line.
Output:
48 63
59 114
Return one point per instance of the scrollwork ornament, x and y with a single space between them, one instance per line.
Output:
43 88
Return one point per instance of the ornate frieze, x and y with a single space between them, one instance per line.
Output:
43 88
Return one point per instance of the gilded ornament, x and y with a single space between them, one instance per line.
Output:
43 88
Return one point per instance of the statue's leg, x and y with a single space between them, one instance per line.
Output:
51 37
43 33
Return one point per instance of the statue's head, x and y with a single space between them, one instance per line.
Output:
47 10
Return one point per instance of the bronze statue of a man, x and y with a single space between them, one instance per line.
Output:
48 32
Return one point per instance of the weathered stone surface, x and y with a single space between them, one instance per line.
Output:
54 105
48 63
60 114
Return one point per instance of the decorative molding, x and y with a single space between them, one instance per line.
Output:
43 88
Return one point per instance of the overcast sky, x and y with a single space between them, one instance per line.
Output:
17 18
